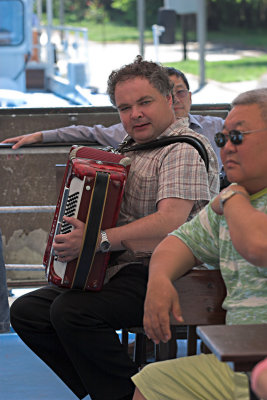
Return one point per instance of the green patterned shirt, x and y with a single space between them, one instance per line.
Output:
208 237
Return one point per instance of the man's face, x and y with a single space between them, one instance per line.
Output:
145 113
246 163
182 97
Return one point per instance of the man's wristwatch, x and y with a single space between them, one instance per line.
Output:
227 194
104 245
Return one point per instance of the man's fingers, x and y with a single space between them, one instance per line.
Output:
157 328
17 142
17 145
73 221
176 312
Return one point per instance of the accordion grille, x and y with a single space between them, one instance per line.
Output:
70 211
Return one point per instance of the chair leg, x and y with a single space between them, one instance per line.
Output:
167 351
124 337
191 341
204 349
140 349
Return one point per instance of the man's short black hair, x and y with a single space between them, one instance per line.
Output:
173 71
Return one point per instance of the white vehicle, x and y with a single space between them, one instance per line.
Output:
45 59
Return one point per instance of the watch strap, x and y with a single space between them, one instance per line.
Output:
233 193
104 239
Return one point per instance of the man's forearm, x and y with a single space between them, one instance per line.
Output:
170 260
171 213
107 136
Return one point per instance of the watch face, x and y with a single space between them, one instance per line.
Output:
105 246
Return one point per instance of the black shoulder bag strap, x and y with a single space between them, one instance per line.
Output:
166 140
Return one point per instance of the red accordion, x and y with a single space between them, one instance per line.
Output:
91 191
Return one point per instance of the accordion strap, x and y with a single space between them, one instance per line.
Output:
165 141
92 229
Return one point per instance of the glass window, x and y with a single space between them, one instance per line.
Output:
11 22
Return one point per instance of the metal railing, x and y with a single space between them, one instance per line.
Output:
26 209
59 43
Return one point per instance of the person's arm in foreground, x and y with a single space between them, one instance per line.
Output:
170 260
22 140
247 226
107 136
259 379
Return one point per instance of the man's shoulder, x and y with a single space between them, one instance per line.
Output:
181 131
206 120
186 146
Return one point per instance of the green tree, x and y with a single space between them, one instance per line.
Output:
76 11
99 15
236 13
128 8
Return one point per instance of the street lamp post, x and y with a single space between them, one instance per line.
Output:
141 25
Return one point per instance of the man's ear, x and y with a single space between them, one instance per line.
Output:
190 97
169 99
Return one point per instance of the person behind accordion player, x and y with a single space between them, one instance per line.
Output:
74 331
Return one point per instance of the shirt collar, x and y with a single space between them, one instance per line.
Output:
258 194
193 121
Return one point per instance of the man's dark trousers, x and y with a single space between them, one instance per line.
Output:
74 332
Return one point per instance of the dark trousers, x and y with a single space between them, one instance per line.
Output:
73 332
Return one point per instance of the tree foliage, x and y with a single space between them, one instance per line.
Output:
221 14
236 13
129 10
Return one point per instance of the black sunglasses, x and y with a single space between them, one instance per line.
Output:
235 136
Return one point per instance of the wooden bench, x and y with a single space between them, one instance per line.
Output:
18 121
201 293
241 346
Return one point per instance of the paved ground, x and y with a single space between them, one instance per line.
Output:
103 58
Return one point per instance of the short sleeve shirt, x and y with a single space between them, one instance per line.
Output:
173 171
208 237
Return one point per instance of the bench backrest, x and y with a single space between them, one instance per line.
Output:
14 122
201 293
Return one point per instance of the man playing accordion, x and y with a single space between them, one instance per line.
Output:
74 331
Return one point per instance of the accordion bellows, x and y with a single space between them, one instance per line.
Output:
91 191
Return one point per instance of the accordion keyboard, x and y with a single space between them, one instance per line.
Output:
71 200
70 211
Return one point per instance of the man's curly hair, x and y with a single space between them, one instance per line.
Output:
153 72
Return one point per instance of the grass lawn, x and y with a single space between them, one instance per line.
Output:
249 68
245 69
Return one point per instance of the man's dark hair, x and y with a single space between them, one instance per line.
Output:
173 71
153 72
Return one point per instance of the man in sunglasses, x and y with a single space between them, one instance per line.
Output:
114 134
229 233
